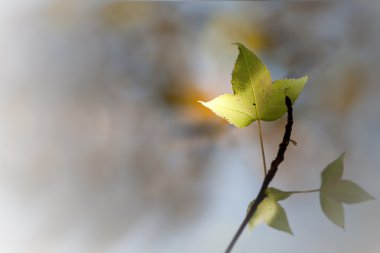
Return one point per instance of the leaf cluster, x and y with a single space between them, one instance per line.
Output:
255 97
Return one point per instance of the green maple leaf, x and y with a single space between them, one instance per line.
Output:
255 97
335 191
271 212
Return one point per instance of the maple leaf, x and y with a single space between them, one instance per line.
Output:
255 96
271 212
335 191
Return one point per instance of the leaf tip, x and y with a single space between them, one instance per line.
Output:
290 232
243 48
341 224
238 44
205 104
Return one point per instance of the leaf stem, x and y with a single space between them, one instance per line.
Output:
269 176
262 146
306 191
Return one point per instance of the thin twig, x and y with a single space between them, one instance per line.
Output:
269 176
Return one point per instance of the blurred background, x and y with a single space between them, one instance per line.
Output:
104 148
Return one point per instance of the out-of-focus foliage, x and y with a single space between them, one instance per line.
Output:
272 213
277 194
335 191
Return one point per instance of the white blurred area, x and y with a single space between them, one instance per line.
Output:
103 147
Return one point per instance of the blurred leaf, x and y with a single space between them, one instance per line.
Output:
332 209
348 192
277 194
272 213
255 97
335 191
333 172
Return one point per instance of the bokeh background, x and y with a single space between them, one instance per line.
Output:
104 148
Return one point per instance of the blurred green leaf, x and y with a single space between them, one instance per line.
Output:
255 97
332 209
272 213
335 191
277 194
348 192
333 172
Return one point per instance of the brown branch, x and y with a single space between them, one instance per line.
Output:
268 178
